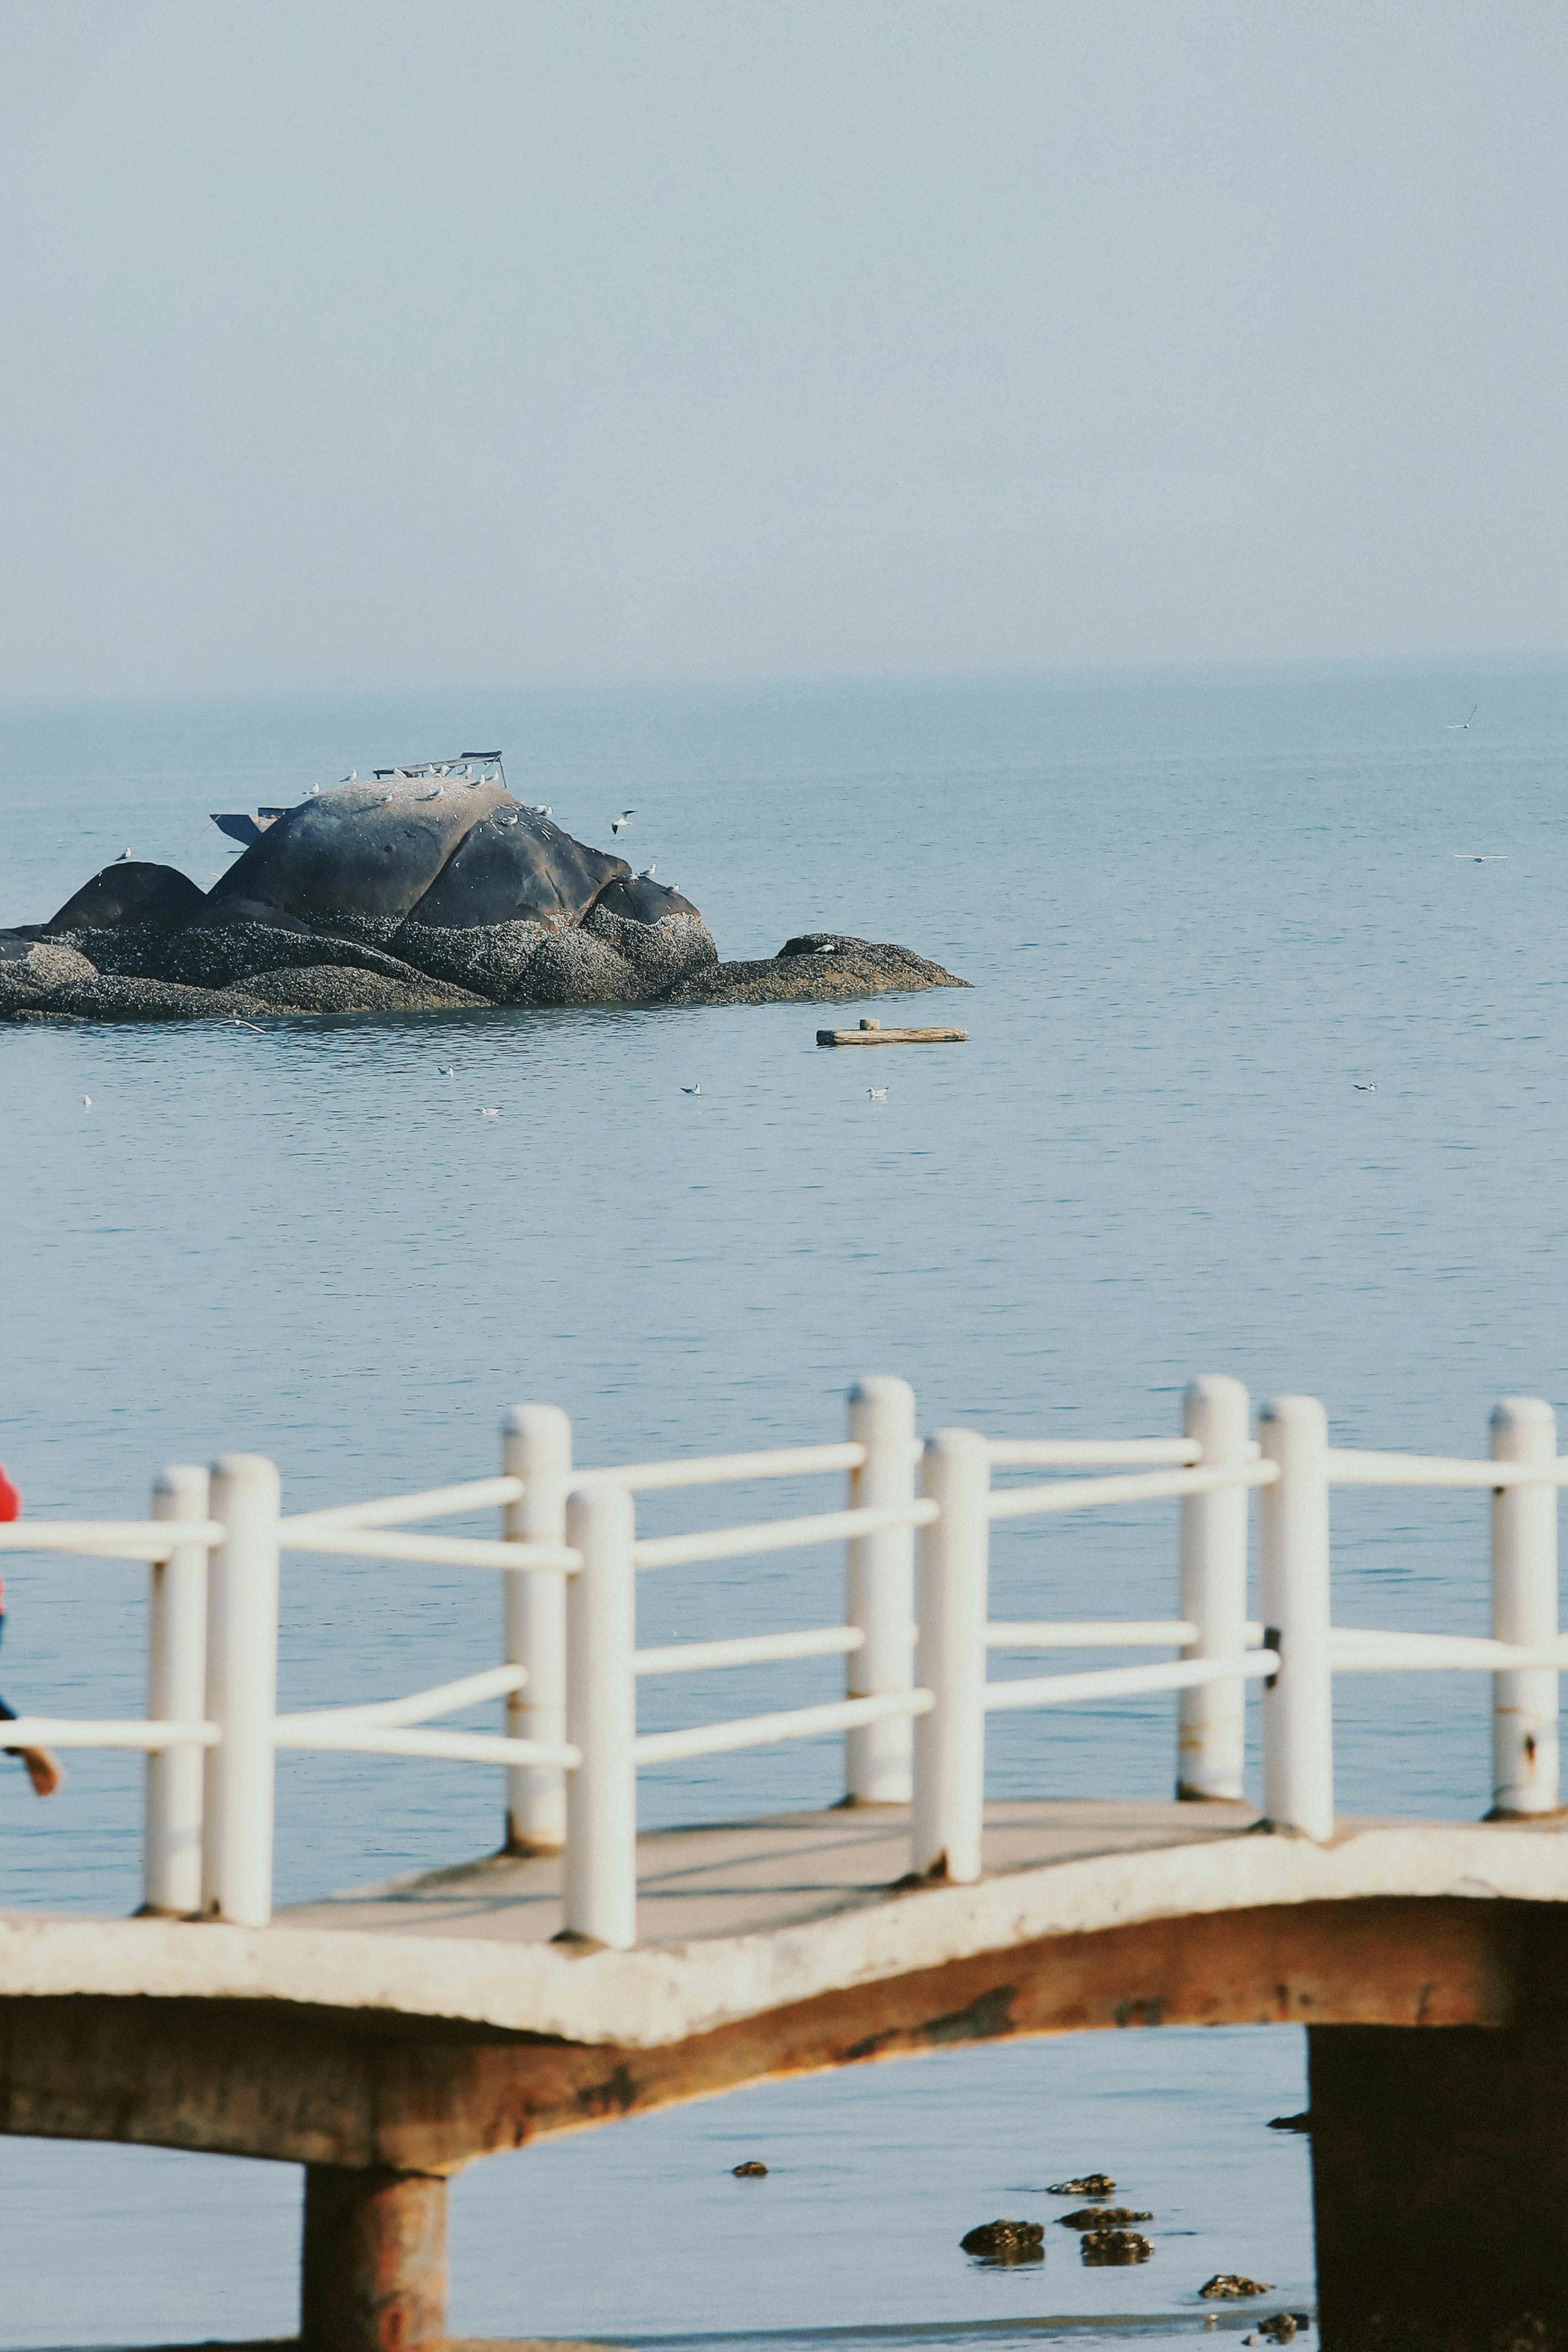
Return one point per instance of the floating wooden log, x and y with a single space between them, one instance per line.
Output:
872 1033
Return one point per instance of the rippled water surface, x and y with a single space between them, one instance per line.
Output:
1199 917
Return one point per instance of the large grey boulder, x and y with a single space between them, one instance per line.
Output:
128 891
516 866
357 859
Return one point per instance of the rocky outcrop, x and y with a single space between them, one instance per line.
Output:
1103 2217
1005 2241
438 894
1101 2248
821 968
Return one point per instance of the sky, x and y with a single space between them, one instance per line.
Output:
454 344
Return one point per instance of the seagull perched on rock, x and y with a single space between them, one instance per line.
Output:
625 818
122 858
352 778
644 873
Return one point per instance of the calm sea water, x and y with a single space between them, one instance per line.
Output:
1198 916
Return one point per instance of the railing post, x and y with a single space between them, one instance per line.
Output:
1211 1725
242 1693
176 1692
536 1446
1524 1610
600 1872
1297 1701
881 1592
949 1813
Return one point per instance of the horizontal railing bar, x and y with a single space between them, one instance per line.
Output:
495 1682
1114 1633
1088 1452
776 1535
473 1495
108 1539
1149 1486
761 1730
1127 1681
450 1747
729 1469
750 1650
1353 1649
67 1731
1348 1468
445 1552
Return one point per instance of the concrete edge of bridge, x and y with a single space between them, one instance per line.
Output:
661 1994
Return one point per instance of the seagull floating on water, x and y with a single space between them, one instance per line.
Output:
87 1102
489 1110
446 1069
876 1094
1370 1088
692 1090
625 818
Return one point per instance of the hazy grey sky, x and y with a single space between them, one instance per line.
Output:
351 344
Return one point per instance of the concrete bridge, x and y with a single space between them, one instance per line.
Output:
386 2037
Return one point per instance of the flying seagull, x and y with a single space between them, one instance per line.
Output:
1458 726
625 818
1488 857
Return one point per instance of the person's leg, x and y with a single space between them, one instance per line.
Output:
43 1770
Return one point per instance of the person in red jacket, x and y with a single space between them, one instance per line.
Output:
43 1771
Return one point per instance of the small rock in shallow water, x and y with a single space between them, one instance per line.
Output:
1006 2241
1279 2328
1230 2285
750 2171
1089 2184
1102 2217
1101 2246
1301 2123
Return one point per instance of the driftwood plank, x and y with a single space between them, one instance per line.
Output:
872 1033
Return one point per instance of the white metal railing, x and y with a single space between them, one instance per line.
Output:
917 1696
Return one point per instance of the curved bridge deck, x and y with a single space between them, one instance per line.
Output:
425 2023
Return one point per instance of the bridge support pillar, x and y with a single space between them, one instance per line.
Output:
374 2268
1440 2187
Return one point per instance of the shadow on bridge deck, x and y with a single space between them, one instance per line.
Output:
751 1877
